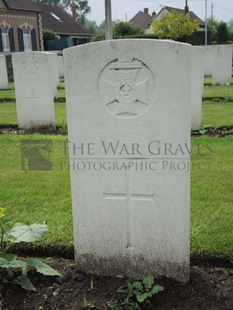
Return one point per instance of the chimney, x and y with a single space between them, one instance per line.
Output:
186 9
73 9
146 11
153 14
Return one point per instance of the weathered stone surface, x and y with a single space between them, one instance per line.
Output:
197 86
128 108
222 67
3 73
34 97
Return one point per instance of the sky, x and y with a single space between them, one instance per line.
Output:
125 9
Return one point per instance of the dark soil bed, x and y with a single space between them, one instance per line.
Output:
210 288
211 131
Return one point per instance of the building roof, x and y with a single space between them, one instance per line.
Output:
142 19
22 5
57 19
193 16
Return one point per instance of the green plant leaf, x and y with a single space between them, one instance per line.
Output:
8 256
148 281
157 288
4 263
202 131
138 285
15 264
42 267
141 297
25 283
26 233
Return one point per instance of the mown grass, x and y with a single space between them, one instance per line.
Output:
224 91
38 196
217 113
212 198
8 114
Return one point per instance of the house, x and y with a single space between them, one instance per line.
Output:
143 19
192 16
20 26
63 24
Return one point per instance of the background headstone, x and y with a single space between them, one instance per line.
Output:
34 100
222 68
128 109
197 86
53 71
60 66
3 73
209 60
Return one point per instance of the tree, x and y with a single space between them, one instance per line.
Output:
126 29
91 26
82 6
121 30
213 24
230 29
174 26
222 33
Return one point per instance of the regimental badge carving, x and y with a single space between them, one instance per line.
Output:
127 88
30 64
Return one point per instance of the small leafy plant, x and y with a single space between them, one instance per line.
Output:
12 269
135 293
87 304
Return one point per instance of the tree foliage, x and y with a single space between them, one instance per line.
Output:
126 29
222 33
174 26
82 6
120 30
213 24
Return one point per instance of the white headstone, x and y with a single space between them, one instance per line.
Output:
53 72
34 99
197 86
3 73
60 66
128 108
209 60
222 65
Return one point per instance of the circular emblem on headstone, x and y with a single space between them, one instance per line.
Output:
30 64
126 88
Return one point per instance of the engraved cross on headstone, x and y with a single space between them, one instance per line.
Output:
33 98
129 197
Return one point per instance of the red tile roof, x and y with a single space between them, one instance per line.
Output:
57 19
193 16
22 5
142 19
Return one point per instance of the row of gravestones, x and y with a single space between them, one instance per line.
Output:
36 78
128 112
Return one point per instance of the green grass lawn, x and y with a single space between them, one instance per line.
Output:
225 91
8 114
217 113
37 196
45 195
